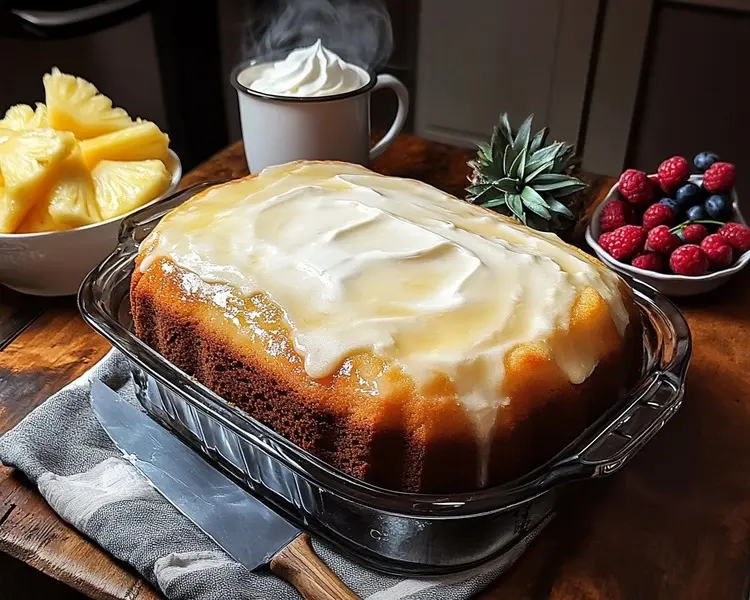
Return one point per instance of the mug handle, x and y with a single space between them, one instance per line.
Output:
389 81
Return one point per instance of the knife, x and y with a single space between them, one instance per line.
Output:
242 525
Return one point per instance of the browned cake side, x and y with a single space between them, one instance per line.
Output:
399 439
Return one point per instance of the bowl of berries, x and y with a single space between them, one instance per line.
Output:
680 232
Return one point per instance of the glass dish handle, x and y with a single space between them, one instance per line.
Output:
138 225
609 451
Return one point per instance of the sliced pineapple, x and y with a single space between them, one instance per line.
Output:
122 186
29 162
72 201
7 208
75 105
38 220
141 141
22 116
29 158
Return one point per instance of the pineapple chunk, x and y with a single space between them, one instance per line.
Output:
75 105
29 162
38 220
124 186
141 141
22 116
70 203
7 207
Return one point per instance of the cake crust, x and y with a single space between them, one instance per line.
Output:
369 418
400 442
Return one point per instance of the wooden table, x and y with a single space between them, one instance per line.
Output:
674 524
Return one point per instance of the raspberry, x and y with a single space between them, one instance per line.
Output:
636 187
614 215
657 214
661 240
737 235
718 250
673 172
650 261
719 178
688 260
694 233
623 242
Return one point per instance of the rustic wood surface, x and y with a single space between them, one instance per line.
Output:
674 524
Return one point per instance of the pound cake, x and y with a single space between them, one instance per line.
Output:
407 338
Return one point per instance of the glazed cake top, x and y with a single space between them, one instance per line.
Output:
359 261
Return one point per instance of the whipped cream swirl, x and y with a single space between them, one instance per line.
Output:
305 73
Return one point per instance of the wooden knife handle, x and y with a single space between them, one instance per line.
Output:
298 564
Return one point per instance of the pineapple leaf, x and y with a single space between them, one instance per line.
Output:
530 176
507 185
491 171
518 166
481 193
564 157
547 182
521 174
516 206
495 147
478 188
558 185
507 159
535 203
505 129
567 191
499 201
553 177
564 148
521 143
559 207
544 156
538 140
485 153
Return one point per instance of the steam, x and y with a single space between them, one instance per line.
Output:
359 31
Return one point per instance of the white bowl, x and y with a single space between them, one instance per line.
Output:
668 284
54 263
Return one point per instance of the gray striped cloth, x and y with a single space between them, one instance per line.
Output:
62 448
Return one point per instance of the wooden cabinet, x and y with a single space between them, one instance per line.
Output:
478 58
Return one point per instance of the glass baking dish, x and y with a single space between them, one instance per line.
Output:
391 531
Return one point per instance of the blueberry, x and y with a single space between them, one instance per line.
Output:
718 207
689 195
697 213
670 202
704 160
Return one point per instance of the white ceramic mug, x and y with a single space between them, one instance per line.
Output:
280 129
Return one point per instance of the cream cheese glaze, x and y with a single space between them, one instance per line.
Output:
305 73
360 261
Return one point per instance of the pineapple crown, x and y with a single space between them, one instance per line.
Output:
519 176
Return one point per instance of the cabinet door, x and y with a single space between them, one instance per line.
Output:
479 58
654 93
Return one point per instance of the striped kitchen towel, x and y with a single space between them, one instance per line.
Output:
62 448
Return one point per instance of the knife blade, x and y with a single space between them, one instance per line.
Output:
237 521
